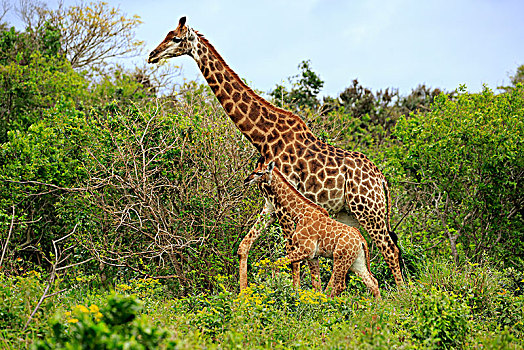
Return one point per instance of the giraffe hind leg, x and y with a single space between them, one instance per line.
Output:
384 241
314 271
342 261
360 268
376 224
391 253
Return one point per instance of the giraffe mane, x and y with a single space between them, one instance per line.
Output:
297 193
257 97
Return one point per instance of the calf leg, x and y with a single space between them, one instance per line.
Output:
297 250
287 226
314 270
341 263
295 272
360 268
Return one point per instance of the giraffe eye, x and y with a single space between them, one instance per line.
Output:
177 40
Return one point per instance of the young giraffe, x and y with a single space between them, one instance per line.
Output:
345 183
315 233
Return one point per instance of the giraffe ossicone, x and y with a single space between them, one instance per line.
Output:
315 233
347 184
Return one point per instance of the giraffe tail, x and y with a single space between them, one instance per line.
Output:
366 251
391 232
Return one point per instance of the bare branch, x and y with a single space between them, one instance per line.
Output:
75 264
8 236
50 282
5 7
52 276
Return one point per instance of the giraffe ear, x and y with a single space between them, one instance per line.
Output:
182 21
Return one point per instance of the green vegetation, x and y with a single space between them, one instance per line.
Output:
447 307
121 209
465 157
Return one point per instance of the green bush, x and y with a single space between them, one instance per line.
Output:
117 326
461 165
475 284
37 166
212 313
508 312
368 331
32 82
18 297
440 319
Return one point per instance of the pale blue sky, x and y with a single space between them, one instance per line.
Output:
396 43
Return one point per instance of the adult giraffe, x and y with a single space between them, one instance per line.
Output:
347 184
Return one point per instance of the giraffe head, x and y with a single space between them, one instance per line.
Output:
262 173
178 42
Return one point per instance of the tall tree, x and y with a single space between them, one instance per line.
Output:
517 78
305 87
91 33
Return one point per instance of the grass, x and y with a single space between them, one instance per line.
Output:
445 307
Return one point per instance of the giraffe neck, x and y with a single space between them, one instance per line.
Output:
266 126
284 196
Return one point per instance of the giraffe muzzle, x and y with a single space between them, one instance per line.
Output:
153 58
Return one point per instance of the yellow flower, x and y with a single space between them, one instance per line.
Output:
73 320
123 287
94 309
82 308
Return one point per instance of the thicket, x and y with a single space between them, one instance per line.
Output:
108 185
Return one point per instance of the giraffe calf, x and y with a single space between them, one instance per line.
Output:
315 233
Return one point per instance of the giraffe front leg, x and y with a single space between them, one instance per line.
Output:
264 220
314 271
299 254
288 227
295 272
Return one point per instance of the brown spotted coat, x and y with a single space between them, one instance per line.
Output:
345 183
315 233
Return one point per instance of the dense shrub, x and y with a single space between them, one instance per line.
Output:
18 297
461 164
168 186
117 326
33 80
440 319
